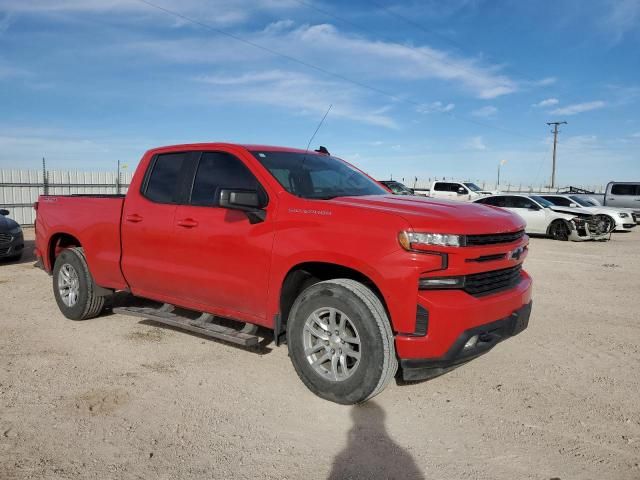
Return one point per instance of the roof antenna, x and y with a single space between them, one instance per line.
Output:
318 128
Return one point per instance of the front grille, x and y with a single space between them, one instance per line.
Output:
4 251
5 238
486 283
493 238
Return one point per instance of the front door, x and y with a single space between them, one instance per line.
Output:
531 212
147 227
222 259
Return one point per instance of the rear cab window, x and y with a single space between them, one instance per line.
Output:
162 185
625 189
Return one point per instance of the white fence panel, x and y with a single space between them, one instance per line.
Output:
19 189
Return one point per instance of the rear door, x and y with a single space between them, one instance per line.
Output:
147 226
222 260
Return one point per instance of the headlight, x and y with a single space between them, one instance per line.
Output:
579 222
15 231
440 283
420 241
623 215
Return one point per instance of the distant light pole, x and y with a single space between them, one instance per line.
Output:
502 162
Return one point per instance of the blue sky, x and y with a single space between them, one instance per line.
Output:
419 88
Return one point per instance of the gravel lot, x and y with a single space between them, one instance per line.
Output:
119 398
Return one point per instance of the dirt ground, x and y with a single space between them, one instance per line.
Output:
119 398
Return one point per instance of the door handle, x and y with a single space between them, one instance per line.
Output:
133 218
187 223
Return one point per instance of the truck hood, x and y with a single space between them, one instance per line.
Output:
436 215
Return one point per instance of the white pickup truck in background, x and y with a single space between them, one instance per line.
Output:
462 191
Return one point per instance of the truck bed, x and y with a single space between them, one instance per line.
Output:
96 219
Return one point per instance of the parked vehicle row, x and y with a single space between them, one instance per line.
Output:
559 216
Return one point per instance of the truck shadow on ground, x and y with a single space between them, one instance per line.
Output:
370 452
125 299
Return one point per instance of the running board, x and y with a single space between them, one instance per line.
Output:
203 325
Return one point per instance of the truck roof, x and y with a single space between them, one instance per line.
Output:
207 145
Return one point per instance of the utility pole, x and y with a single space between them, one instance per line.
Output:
555 143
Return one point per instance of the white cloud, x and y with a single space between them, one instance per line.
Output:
295 91
351 56
486 111
545 82
475 143
218 12
636 135
436 107
548 102
623 16
579 108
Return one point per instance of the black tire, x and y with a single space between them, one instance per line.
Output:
88 304
378 362
559 230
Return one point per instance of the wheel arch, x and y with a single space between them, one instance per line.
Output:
58 242
304 274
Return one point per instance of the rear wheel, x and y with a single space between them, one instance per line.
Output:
73 286
340 341
559 230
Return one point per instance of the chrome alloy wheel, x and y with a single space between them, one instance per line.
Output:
331 344
68 285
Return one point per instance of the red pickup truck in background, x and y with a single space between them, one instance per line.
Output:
353 278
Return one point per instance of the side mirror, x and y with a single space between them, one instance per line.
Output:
247 201
4 212
461 191
534 207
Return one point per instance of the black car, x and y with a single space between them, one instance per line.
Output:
397 188
11 238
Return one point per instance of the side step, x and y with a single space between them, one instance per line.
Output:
203 325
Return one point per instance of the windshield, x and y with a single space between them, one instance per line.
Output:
545 203
472 186
317 176
582 201
398 188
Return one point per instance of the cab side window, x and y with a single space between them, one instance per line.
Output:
162 185
494 201
217 171
520 202
625 189
442 187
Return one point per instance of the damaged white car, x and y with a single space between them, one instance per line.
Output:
544 218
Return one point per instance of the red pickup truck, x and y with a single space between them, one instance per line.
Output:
351 278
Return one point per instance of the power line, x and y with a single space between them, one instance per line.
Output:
421 27
323 70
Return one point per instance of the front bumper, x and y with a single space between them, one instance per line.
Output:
13 248
489 335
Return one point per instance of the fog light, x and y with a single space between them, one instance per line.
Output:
471 342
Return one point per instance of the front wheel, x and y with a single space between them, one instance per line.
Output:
340 341
559 230
73 286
